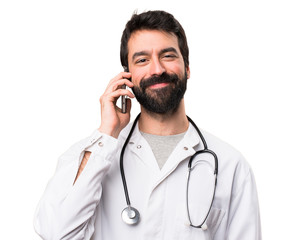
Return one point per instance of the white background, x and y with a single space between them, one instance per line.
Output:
56 58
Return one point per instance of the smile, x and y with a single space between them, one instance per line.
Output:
159 85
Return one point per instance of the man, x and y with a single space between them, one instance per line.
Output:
85 197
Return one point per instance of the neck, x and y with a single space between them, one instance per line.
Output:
164 124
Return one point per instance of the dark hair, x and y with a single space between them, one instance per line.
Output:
154 20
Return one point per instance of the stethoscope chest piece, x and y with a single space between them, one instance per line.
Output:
130 215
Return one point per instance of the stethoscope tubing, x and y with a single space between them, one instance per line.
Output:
205 150
187 186
122 157
204 146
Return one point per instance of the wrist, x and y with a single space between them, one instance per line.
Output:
110 132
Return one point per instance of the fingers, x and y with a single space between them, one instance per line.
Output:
119 80
121 92
114 89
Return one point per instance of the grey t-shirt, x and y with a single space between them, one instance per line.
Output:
162 146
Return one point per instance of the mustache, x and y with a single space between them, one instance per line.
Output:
163 78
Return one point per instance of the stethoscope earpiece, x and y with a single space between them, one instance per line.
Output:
204 227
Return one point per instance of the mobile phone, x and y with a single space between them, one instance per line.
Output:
123 98
123 101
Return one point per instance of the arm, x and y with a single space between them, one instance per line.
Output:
66 210
113 122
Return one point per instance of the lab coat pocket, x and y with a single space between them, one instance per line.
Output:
183 230
214 220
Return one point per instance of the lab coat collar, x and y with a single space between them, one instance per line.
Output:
183 151
139 146
191 137
186 147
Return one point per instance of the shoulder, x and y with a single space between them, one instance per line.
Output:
218 145
233 167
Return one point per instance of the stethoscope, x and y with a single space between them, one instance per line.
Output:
131 215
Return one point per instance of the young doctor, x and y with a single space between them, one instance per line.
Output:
159 177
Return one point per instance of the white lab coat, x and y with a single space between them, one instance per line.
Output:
91 208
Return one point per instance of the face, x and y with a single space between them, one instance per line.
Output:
158 72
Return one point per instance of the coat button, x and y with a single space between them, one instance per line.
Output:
100 144
138 146
186 148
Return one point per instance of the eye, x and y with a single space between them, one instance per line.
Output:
169 56
141 60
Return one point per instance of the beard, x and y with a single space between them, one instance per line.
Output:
162 100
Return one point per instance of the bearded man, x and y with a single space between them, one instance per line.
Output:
89 196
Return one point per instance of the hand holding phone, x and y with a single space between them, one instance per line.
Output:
112 118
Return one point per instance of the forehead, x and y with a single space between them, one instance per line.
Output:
151 40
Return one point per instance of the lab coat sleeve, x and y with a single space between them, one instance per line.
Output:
244 217
66 210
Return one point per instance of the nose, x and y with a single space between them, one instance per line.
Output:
156 67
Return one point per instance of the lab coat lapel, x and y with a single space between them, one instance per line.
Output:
140 147
185 149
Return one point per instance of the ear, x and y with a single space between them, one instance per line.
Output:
188 72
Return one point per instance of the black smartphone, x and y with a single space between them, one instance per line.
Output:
123 98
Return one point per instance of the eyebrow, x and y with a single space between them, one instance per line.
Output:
170 49
141 53
144 53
